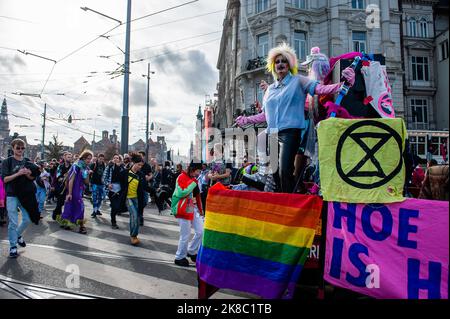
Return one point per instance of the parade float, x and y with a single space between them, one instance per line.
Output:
361 234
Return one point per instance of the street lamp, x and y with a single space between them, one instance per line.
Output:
148 108
126 81
102 14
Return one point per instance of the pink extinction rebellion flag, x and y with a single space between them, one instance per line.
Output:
393 251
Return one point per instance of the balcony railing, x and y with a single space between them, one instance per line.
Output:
256 63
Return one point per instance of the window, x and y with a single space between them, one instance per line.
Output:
412 30
419 108
300 4
423 28
443 50
359 41
300 45
357 4
420 69
261 5
418 145
263 44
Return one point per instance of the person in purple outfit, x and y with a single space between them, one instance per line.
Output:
73 214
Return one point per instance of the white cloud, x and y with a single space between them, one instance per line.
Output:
59 27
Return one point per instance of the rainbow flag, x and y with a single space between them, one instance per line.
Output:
257 242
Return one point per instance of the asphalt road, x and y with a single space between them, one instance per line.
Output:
59 263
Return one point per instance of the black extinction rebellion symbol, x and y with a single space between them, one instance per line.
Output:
383 138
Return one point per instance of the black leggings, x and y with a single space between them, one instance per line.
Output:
288 144
115 201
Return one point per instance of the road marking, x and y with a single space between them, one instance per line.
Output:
111 247
125 232
136 283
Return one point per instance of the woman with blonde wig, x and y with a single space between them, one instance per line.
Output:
283 108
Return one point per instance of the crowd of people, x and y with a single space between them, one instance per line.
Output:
292 107
127 181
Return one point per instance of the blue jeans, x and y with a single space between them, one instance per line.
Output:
97 195
41 193
132 204
14 232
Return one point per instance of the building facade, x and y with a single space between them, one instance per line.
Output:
252 27
425 29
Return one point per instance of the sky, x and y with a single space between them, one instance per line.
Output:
181 45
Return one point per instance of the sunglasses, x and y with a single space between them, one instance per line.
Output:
281 61
20 148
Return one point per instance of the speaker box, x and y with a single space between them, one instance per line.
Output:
353 102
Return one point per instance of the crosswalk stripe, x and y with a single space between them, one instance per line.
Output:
137 283
112 247
125 232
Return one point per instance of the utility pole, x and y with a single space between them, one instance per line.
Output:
93 144
148 110
126 85
43 132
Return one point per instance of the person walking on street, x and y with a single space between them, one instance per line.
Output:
133 186
18 174
203 183
2 201
78 179
147 171
164 191
98 188
111 179
61 184
187 208
42 187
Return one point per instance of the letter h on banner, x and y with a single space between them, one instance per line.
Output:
432 284
349 213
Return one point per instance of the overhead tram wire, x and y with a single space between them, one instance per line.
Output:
123 23
164 10
177 50
169 22
174 41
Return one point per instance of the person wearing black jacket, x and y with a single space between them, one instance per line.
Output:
111 178
147 171
60 184
18 174
133 186
164 188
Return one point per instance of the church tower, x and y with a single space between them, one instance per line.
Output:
4 122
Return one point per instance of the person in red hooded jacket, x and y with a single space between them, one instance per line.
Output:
187 208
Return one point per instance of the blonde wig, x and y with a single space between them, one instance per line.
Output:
288 53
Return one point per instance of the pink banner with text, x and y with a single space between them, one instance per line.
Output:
392 251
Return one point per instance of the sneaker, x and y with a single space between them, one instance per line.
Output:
193 257
98 213
114 226
94 214
82 230
13 252
182 262
21 242
135 241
